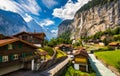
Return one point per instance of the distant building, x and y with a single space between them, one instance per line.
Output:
34 38
65 47
114 45
81 60
16 54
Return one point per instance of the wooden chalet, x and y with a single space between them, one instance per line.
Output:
16 54
65 47
34 38
114 45
81 60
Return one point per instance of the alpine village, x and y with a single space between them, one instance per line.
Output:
87 45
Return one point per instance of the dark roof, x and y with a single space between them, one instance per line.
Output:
8 41
82 52
30 33
66 45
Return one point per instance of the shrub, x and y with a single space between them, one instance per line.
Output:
118 65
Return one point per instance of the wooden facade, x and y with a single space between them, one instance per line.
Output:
34 38
14 51
81 60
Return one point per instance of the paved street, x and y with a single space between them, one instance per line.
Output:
100 69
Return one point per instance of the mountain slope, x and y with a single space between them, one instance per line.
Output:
95 16
64 26
11 23
35 27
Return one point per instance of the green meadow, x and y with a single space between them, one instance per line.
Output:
110 57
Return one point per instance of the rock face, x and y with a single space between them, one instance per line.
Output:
64 26
99 18
11 23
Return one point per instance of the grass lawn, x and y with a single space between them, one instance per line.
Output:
110 57
95 47
49 50
47 56
72 72
60 53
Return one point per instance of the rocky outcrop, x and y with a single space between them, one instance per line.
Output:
98 18
64 26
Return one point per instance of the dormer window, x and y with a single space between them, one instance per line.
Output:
24 37
10 46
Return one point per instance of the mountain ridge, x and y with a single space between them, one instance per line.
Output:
95 19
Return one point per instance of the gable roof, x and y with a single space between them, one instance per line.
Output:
114 44
8 41
82 52
66 45
42 33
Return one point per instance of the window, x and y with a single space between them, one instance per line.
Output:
23 55
24 37
31 37
10 46
4 58
20 45
15 56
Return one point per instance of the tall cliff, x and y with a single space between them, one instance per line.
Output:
64 26
98 18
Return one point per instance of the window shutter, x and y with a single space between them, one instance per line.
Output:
6 47
12 57
0 59
20 45
13 46
23 55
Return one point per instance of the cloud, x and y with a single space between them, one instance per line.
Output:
10 5
21 6
46 22
30 6
49 3
68 11
27 18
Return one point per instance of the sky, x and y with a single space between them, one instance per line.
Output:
47 13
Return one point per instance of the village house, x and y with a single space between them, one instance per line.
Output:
99 42
16 54
34 38
80 59
65 47
114 45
